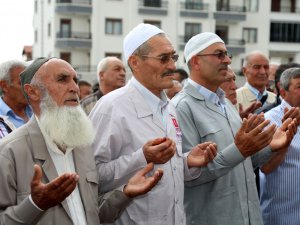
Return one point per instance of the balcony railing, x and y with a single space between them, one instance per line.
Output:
231 8
193 6
85 68
81 40
153 7
287 10
235 46
74 6
75 35
77 2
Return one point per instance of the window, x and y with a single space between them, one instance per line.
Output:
193 4
191 29
35 36
65 28
113 26
252 5
35 6
49 29
285 32
152 3
250 35
65 56
153 22
118 55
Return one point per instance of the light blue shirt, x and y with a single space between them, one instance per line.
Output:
280 189
5 110
257 94
217 98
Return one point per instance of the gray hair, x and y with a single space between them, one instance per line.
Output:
287 76
7 66
103 64
249 56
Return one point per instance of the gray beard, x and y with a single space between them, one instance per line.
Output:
65 125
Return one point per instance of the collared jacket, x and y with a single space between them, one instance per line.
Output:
225 193
125 122
19 152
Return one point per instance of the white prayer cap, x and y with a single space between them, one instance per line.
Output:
137 36
200 42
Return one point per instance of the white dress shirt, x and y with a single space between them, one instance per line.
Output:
64 163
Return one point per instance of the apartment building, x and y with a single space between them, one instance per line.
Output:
84 31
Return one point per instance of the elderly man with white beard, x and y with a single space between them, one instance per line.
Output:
47 170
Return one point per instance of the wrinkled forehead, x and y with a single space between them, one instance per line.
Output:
55 67
161 43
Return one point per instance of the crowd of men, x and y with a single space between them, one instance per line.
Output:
170 147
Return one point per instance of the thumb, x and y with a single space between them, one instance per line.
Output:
37 176
286 109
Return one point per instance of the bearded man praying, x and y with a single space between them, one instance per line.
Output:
47 170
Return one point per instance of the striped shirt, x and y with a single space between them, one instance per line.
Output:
280 189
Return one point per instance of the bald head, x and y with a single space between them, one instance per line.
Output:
256 70
58 79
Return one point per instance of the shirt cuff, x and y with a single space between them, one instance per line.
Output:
30 199
190 173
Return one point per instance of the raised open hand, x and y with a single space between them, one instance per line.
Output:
245 113
202 154
293 113
284 135
140 184
48 195
250 141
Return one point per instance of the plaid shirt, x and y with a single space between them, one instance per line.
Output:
4 128
88 102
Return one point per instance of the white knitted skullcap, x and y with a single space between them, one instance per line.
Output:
137 36
198 43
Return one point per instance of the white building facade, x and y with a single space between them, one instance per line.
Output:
84 31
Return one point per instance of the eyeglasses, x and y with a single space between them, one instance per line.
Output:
220 55
163 58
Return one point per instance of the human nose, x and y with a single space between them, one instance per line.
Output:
74 87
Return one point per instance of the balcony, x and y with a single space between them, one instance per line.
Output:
153 7
194 9
230 13
79 40
74 6
287 9
235 46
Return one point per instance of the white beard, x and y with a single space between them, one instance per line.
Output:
66 125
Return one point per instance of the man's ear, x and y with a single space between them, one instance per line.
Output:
33 93
133 62
195 63
101 75
3 86
282 92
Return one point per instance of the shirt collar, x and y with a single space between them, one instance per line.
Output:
4 108
257 94
214 97
152 100
285 104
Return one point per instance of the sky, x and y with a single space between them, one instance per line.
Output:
16 27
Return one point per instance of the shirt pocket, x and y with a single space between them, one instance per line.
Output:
92 182
210 130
